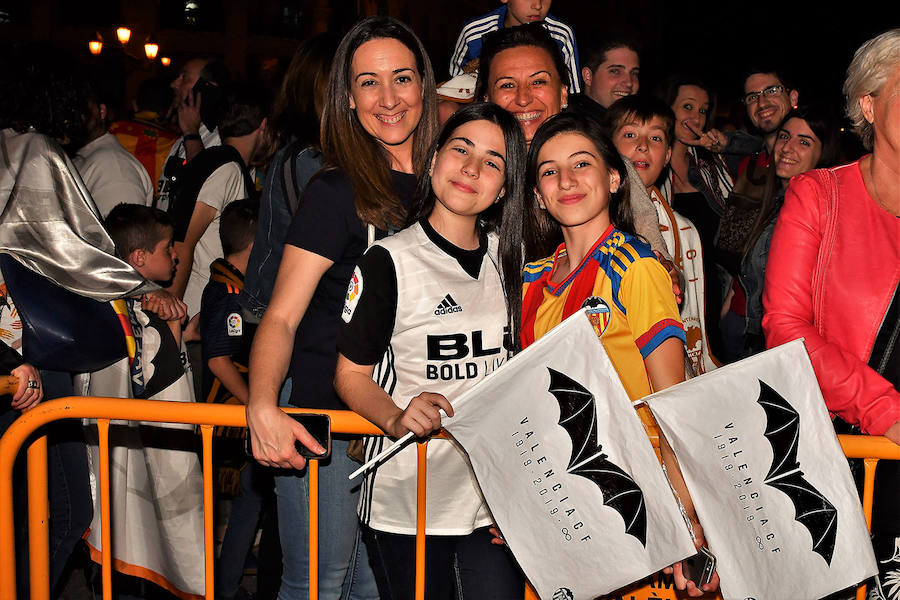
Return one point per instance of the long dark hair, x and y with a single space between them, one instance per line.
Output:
541 233
298 108
347 146
504 217
825 127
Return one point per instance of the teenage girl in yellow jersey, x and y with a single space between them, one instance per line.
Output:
580 186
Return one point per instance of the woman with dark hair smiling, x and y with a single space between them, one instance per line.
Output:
697 183
522 70
808 139
378 122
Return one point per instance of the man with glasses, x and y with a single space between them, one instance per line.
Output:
768 100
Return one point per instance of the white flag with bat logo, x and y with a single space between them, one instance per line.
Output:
768 478
567 469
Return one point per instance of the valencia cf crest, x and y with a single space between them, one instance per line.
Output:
598 313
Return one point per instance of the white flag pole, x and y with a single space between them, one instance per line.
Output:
385 454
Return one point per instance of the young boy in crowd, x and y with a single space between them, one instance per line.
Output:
643 130
225 337
511 14
155 473
144 239
225 345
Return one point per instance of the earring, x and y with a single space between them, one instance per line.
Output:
564 106
614 185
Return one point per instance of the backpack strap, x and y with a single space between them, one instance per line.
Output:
290 187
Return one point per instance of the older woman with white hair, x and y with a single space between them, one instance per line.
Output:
834 278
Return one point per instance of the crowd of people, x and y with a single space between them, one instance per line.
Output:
317 251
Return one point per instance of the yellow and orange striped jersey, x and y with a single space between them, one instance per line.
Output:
630 298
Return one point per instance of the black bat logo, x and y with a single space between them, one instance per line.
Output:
578 417
811 508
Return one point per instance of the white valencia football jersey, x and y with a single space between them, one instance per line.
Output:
447 335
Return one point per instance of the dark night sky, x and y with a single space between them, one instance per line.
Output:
722 40
717 41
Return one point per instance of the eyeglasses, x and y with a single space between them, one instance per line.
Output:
769 92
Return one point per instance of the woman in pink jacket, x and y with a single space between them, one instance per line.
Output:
833 274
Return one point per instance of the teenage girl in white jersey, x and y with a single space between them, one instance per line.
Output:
414 298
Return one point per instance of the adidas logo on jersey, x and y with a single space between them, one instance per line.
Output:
448 305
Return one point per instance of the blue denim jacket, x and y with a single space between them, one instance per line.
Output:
274 220
753 271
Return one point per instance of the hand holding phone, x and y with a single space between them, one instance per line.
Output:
700 567
318 426
208 96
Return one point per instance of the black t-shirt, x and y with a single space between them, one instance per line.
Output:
326 224
365 338
693 206
581 104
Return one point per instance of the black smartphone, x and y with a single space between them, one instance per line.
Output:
318 426
700 567
210 99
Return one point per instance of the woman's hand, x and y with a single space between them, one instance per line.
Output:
713 140
30 391
422 416
272 436
497 540
681 583
273 432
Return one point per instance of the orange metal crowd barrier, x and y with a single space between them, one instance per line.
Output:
207 416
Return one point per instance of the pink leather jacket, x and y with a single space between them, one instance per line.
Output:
833 268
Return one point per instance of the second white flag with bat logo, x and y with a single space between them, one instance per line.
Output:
768 478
